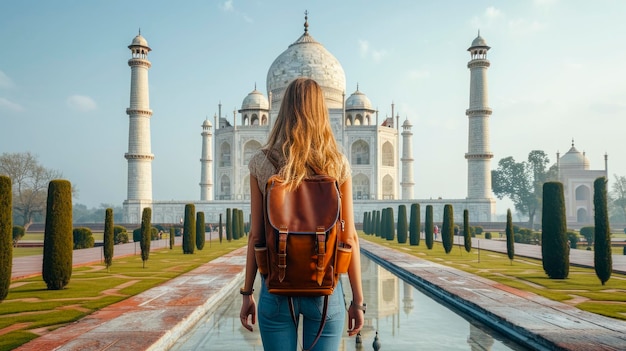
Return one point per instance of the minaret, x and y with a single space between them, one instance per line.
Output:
479 150
407 183
139 155
206 163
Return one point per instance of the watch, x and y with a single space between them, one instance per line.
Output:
360 307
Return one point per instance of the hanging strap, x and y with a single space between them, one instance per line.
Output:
294 318
320 234
282 252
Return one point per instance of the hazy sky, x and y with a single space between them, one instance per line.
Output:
558 71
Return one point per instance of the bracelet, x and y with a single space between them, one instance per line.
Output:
246 293
360 307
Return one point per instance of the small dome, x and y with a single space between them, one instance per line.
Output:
407 123
207 123
139 41
358 101
574 159
479 41
255 101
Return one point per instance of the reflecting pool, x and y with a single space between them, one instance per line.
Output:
405 318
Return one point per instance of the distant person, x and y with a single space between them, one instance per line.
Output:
436 231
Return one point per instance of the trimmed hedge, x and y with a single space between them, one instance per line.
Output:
429 227
82 238
200 231
402 225
415 225
57 242
467 234
510 236
6 235
189 229
554 243
602 259
108 237
447 228
146 234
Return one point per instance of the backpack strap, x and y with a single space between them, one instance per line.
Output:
322 323
283 232
320 234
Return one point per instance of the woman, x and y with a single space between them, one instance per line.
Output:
303 142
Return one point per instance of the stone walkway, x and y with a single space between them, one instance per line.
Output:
156 318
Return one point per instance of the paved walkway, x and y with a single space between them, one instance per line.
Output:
156 318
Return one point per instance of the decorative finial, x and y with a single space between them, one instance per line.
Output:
254 85
306 21
139 30
572 142
357 86
479 32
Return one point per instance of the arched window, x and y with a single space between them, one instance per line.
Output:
246 187
367 120
387 187
360 187
264 120
249 149
388 154
245 120
225 188
225 155
254 120
360 153
582 193
582 216
358 120
349 120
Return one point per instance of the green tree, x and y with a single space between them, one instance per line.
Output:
220 229
429 227
383 223
522 182
57 242
377 222
30 181
510 236
390 225
588 234
18 234
82 238
447 228
467 234
6 235
189 229
402 225
120 234
146 234
172 237
415 225
365 222
229 224
108 237
554 243
200 230
603 262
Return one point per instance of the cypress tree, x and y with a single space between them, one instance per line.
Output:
554 243
447 228
229 225
57 242
189 229
467 236
383 223
108 238
510 236
603 262
391 225
429 227
220 229
365 222
377 219
200 231
172 237
6 235
402 225
242 228
146 228
415 225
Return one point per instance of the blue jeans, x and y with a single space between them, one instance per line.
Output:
278 331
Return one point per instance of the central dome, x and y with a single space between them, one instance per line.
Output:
307 58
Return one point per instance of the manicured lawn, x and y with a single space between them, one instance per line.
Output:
30 305
581 289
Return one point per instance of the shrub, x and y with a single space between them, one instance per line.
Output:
572 237
447 228
229 224
137 235
510 244
108 237
478 230
154 233
414 225
554 247
390 229
402 225
200 230
588 233
429 227
189 231
467 238
82 238
57 242
18 233
220 229
602 259
6 235
120 235
488 235
146 231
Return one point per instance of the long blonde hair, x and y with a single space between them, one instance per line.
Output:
302 135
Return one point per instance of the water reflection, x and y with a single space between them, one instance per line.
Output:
405 318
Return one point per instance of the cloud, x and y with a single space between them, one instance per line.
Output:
227 6
523 26
366 52
492 13
81 103
5 81
488 18
10 105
